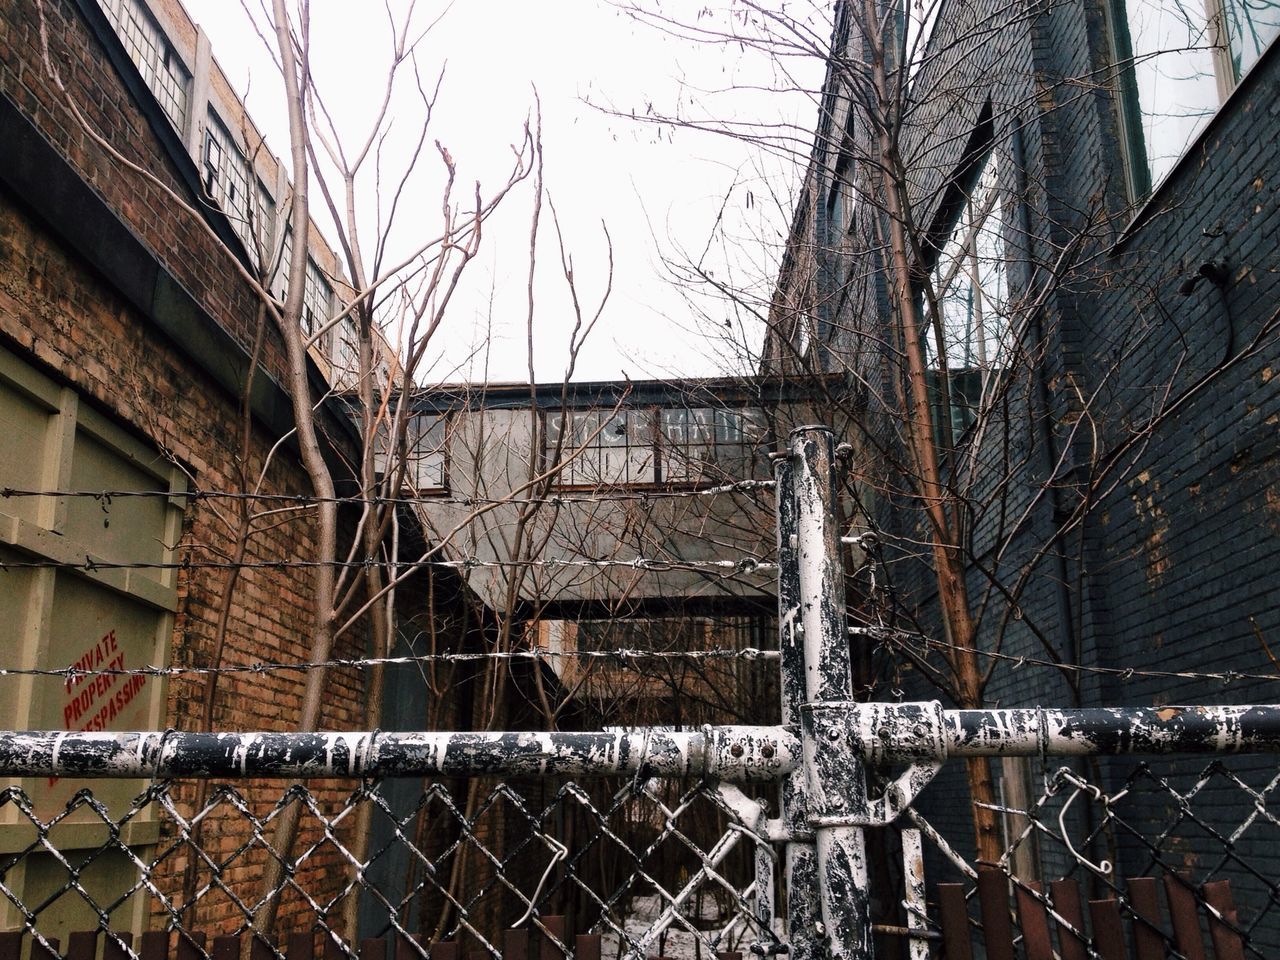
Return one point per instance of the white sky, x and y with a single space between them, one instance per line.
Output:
660 190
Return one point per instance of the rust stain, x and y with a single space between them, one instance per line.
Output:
1168 713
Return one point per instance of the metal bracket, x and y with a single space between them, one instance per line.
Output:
877 733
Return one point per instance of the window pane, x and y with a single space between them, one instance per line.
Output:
728 426
614 433
1172 73
1251 26
426 452
970 283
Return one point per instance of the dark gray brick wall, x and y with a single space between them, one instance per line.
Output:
1163 408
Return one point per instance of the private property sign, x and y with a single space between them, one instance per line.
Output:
93 702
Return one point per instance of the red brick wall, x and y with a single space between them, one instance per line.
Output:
66 318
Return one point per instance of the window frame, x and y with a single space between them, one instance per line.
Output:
135 24
660 443
1142 178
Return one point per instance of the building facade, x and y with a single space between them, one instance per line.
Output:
1066 212
134 195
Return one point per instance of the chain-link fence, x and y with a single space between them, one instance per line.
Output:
652 866
1113 860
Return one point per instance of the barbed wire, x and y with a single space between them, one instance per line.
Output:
302 499
891 635
624 656
742 565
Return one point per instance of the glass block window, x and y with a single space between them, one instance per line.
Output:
164 73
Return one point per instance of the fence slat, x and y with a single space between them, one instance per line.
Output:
39 951
1184 912
373 948
114 945
1108 931
11 945
1067 905
1227 944
515 945
1144 899
1034 920
260 948
190 945
407 946
445 950
993 899
82 945
953 914
586 946
155 945
300 946
226 947
555 927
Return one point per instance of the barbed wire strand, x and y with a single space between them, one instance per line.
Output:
626 656
1019 661
89 565
560 499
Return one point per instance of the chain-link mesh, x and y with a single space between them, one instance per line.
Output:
654 866
1208 838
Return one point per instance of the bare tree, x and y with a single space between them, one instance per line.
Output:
923 266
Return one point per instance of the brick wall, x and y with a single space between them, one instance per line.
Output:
67 318
1171 568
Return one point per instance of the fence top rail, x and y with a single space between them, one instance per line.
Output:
732 753
907 731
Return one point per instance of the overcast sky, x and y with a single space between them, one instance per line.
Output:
660 190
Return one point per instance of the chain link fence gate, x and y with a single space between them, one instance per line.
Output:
725 840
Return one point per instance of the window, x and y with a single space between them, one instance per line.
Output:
425 452
706 444
917 21
346 353
281 287
619 447
1179 59
971 286
317 296
676 445
229 180
969 280
164 74
840 208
